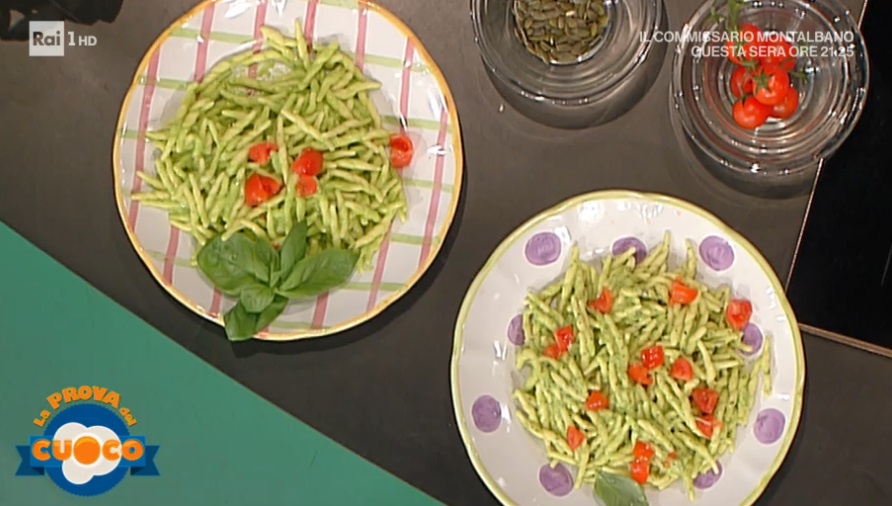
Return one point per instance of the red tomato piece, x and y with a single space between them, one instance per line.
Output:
670 459
401 151
652 357
553 351
575 437
771 84
639 374
270 185
642 451
564 337
738 313
259 153
682 370
259 189
596 401
604 303
681 293
741 82
639 471
708 425
307 186
706 399
309 163
750 114
788 106
256 190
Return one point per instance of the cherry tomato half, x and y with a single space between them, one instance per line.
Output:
272 186
255 193
260 153
259 189
681 293
307 186
401 151
553 351
604 303
706 399
708 425
682 370
575 437
596 401
642 451
639 470
309 163
564 337
652 357
771 84
738 313
750 114
788 106
639 374
741 82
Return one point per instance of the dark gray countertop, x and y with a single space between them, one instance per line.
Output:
383 389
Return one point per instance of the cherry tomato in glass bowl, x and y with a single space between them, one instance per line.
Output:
750 114
743 46
775 50
788 106
741 82
771 84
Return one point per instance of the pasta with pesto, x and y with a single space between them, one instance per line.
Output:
244 128
637 369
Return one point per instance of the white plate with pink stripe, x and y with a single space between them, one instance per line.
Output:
413 95
488 333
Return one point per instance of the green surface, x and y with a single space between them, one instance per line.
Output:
219 443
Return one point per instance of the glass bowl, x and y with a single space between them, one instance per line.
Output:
608 81
832 61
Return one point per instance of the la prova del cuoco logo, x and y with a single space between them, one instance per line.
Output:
86 448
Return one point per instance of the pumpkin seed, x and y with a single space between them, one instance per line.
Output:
559 31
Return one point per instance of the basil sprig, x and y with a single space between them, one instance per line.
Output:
264 280
616 490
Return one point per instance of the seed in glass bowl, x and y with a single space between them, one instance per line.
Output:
559 31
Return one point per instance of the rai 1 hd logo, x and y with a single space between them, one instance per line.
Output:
49 38
86 446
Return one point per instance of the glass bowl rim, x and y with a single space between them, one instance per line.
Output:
645 49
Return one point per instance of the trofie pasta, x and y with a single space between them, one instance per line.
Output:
637 370
249 124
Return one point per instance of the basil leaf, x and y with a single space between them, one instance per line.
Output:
319 273
264 260
272 311
255 297
616 490
228 263
294 248
240 324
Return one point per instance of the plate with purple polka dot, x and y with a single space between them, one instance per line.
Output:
489 332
